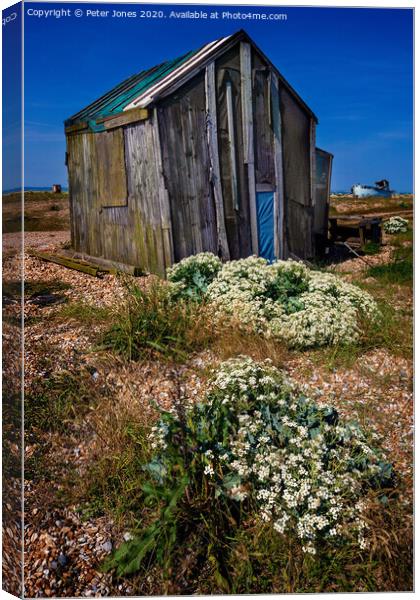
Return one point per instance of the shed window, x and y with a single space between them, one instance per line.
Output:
110 156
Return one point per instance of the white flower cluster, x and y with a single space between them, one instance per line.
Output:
260 441
295 459
396 225
323 310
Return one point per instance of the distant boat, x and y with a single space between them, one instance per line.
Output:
381 188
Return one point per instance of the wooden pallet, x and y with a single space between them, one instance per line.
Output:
357 228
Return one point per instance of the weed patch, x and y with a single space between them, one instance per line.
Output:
114 482
399 271
371 248
85 313
153 323
56 401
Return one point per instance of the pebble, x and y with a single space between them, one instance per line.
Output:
63 560
107 546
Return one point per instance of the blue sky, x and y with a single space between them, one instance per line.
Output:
353 67
12 97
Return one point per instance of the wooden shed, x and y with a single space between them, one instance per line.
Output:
213 151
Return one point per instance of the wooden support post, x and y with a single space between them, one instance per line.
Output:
165 209
248 138
313 160
232 148
279 245
312 141
214 160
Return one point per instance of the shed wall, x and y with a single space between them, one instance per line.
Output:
263 131
237 217
322 197
186 168
131 233
296 134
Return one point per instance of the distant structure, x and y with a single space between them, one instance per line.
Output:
213 151
381 188
56 188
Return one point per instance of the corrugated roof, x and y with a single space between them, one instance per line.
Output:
145 87
123 94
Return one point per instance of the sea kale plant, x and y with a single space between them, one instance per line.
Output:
192 275
256 445
284 300
396 225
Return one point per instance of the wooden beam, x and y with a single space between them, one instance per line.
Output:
232 147
105 264
93 263
164 204
312 141
279 241
65 262
248 137
78 127
124 118
211 109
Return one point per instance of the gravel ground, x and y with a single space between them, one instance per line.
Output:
45 240
62 551
376 390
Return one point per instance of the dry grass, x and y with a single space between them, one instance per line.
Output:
232 340
347 205
44 211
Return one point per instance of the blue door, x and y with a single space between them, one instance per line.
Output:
265 217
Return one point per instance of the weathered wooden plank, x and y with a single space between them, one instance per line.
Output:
71 201
65 262
211 108
92 196
297 175
264 158
313 160
130 116
78 127
144 177
237 222
186 164
279 246
265 187
190 135
111 265
88 261
246 98
165 209
110 164
248 136
232 146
